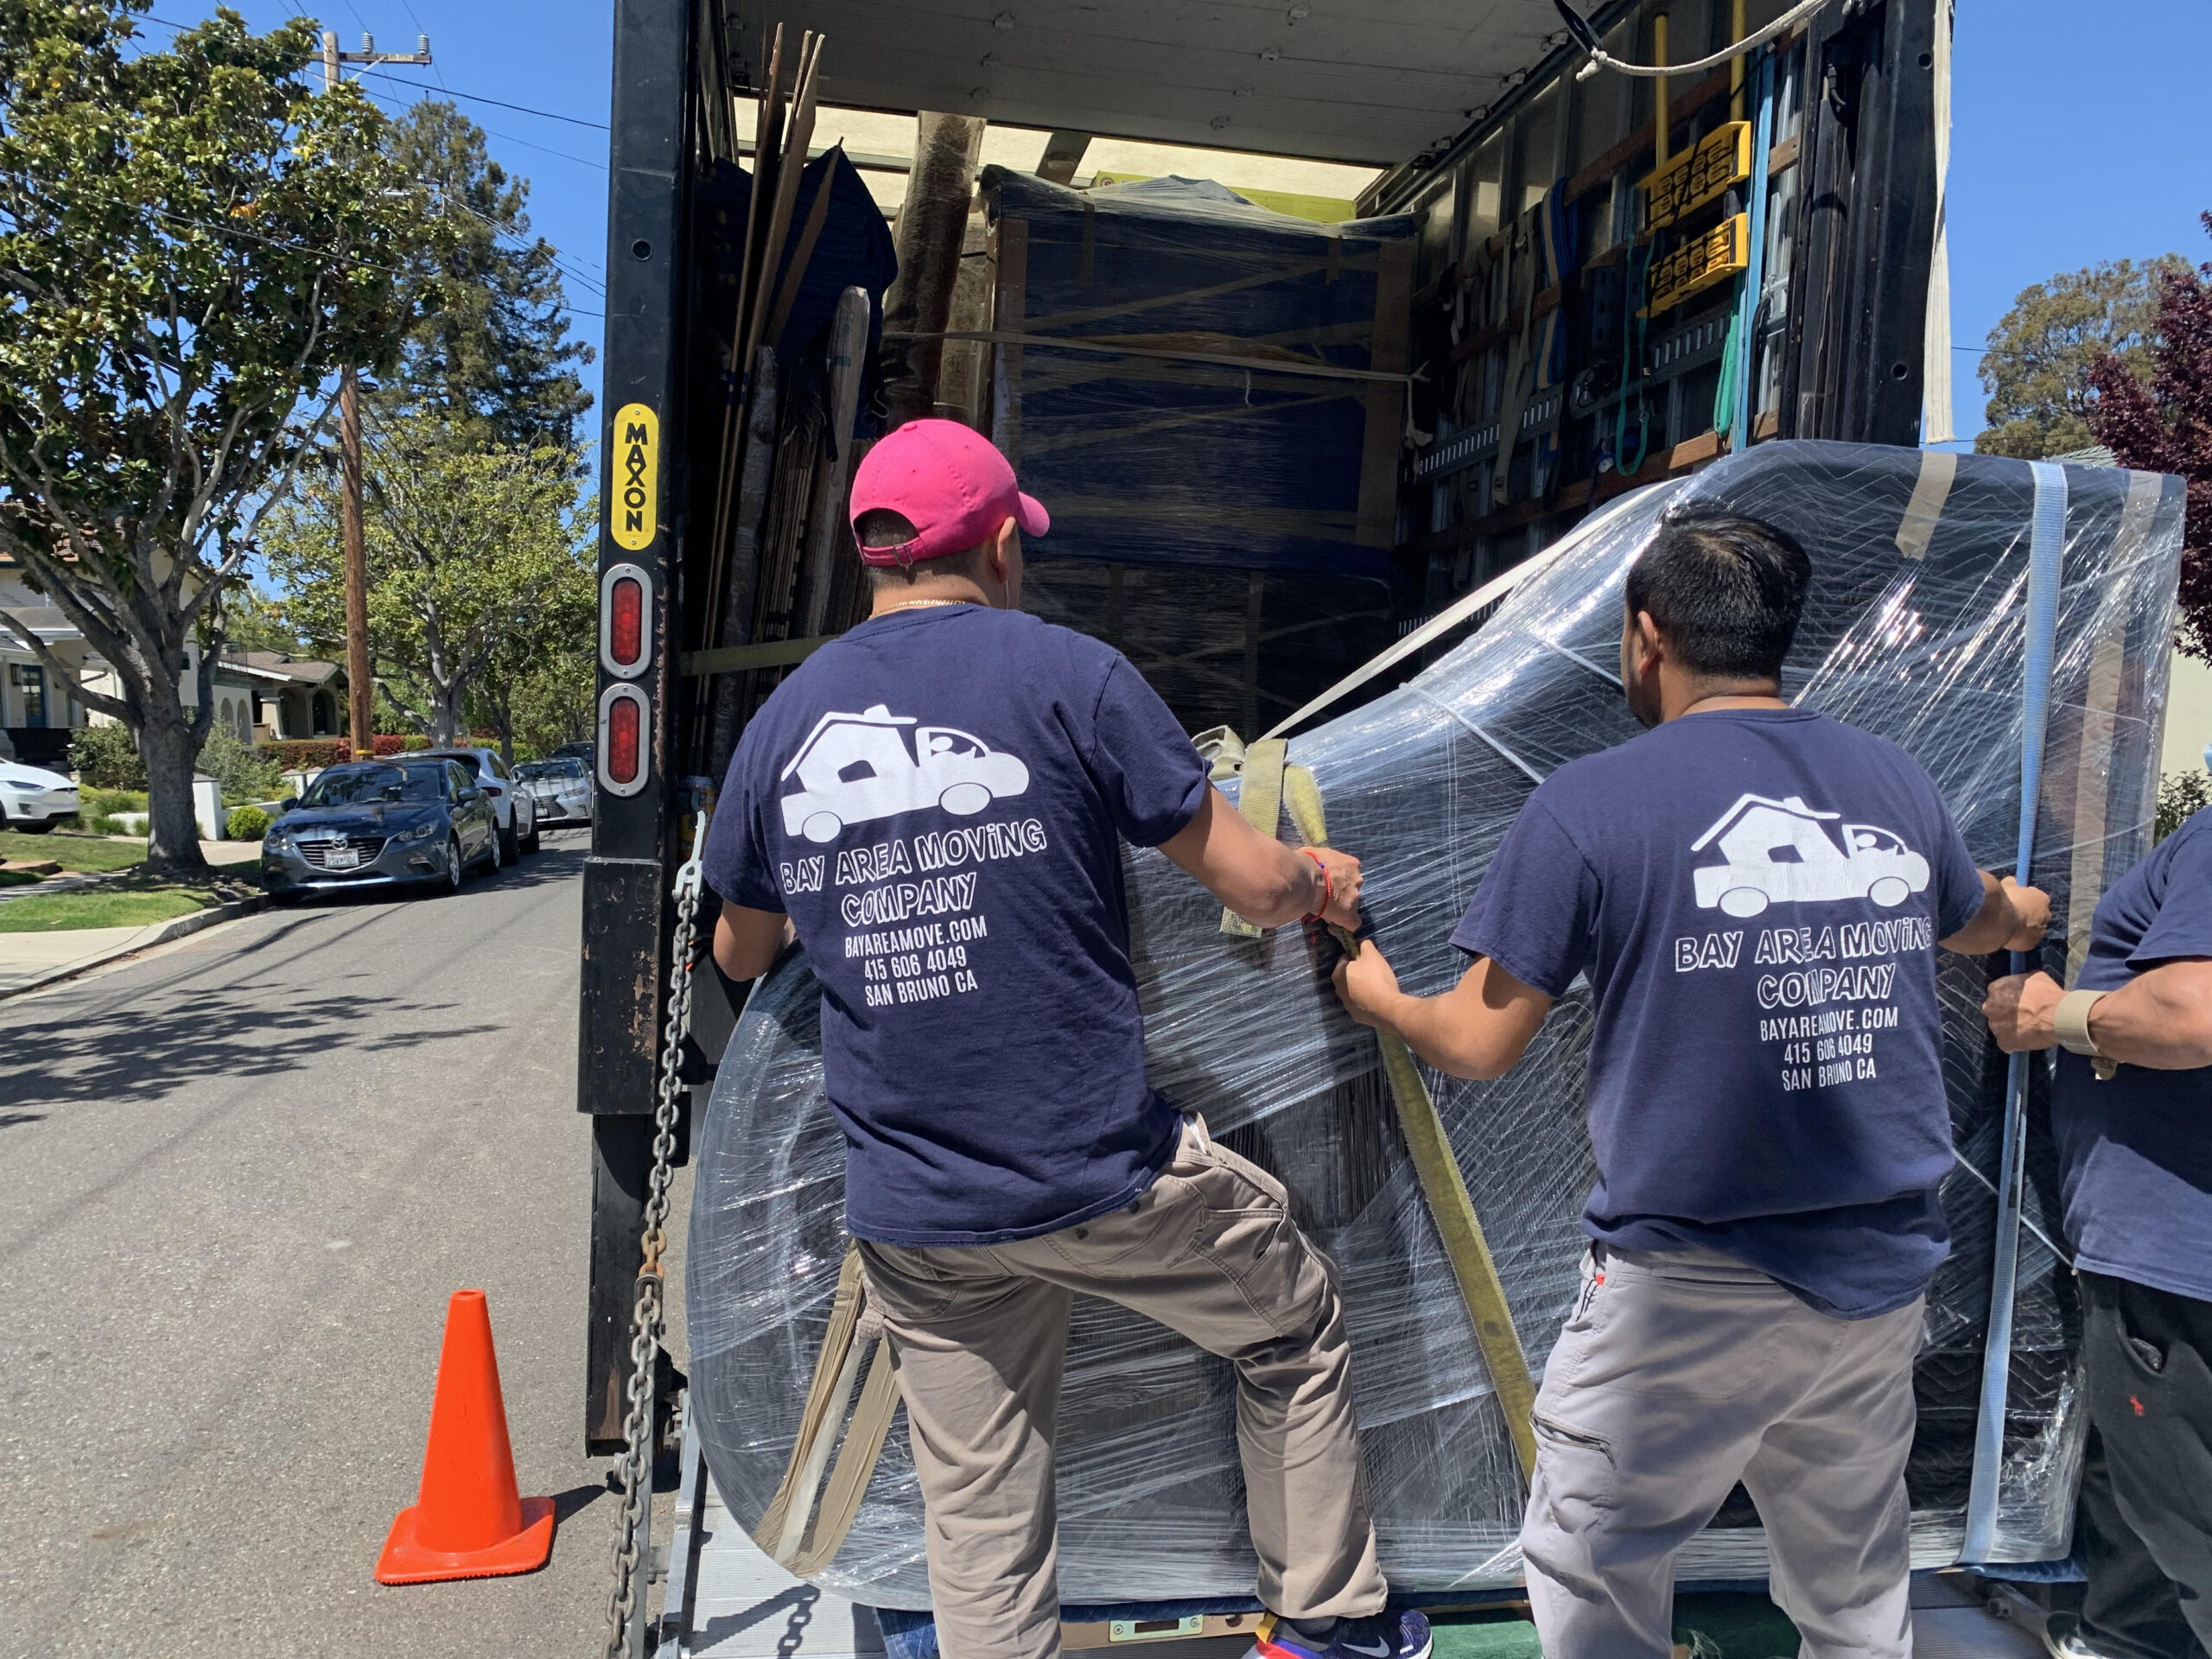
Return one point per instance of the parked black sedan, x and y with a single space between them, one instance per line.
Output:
381 823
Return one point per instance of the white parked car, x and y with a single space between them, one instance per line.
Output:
562 787
512 804
33 799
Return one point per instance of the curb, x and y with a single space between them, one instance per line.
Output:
162 932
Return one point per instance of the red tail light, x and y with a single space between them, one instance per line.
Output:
624 603
624 736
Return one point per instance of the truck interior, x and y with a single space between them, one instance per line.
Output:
1275 435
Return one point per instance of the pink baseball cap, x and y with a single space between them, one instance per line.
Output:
947 481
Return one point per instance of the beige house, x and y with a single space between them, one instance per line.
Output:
261 697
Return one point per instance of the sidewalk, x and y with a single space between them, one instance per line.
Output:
29 960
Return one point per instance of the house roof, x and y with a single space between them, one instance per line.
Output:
1793 806
303 670
878 715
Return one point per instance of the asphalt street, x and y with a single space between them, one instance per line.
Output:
248 1171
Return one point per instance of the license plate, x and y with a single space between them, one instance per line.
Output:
342 858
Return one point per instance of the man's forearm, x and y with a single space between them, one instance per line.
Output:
2159 1020
1992 923
1458 1040
2010 915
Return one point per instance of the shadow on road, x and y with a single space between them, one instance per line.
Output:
241 1016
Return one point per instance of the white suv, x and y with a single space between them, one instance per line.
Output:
33 799
514 807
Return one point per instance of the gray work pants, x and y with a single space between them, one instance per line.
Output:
979 1335
1679 1375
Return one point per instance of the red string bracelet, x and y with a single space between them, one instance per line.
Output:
1328 884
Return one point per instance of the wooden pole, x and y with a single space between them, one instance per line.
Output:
933 228
360 684
1661 117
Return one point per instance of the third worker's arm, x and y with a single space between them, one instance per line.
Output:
2161 1018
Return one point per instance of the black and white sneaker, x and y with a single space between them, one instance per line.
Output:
1381 1636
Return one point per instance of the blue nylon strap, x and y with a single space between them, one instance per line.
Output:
2046 546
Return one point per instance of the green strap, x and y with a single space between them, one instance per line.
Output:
1259 802
1445 1188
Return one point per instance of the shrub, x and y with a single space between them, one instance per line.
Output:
106 757
313 754
2180 794
98 808
244 772
247 824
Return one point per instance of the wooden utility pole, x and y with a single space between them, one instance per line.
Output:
361 681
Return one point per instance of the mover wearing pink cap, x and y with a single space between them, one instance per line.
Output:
947 481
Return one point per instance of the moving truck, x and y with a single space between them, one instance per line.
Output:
1579 285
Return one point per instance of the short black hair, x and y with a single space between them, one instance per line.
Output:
1725 590
881 527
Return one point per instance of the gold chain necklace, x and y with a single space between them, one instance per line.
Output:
921 604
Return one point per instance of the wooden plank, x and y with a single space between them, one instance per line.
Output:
1386 405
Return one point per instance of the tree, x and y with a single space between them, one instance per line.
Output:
2036 369
2166 426
192 243
536 687
495 348
474 553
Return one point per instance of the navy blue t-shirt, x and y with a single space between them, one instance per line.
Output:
2136 1152
1755 895
934 798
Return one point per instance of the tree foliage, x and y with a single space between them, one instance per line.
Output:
479 559
494 349
192 242
2036 369
2166 426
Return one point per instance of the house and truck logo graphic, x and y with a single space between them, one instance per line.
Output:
1781 852
855 768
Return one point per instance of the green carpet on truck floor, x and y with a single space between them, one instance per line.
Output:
1733 1626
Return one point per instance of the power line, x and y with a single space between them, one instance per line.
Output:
474 98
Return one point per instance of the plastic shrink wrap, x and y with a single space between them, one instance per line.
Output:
1914 630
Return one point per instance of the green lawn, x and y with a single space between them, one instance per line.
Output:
92 854
17 878
104 906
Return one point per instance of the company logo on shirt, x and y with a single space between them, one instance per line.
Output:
856 768
1782 853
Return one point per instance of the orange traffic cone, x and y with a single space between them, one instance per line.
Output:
469 1522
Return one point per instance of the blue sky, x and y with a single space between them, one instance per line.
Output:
2076 135
2070 143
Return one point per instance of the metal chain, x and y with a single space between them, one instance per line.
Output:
647 1324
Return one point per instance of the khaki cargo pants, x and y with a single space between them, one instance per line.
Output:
979 1335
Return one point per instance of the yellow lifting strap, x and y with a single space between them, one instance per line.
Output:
797 1538
1259 802
1441 1183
